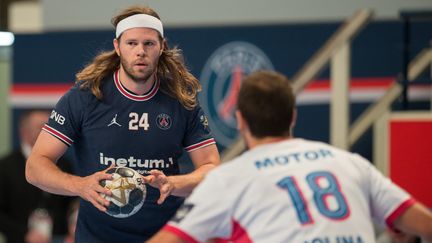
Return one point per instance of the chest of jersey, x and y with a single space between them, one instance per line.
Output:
141 135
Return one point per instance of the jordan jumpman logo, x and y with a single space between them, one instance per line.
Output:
114 121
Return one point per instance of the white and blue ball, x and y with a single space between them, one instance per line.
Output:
128 192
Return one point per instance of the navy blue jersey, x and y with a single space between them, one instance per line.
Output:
142 132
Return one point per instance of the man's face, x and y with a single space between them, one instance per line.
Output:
139 50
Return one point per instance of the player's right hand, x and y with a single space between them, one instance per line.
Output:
90 189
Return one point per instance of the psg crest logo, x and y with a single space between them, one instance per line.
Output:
221 78
163 121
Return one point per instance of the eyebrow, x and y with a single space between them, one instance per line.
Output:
136 39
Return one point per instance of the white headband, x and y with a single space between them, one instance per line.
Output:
139 20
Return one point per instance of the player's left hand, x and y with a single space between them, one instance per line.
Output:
159 180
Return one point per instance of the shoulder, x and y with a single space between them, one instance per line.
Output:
165 97
233 170
346 157
165 92
76 92
174 104
78 95
334 150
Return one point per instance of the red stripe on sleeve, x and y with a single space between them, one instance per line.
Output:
183 235
399 211
239 235
58 134
200 145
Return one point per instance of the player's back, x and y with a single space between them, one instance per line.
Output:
290 191
303 191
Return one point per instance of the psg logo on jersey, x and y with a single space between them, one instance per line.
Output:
163 121
221 78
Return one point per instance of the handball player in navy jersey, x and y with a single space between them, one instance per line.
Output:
134 106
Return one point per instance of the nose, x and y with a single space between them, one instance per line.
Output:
141 50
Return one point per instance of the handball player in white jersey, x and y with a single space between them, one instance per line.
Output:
287 189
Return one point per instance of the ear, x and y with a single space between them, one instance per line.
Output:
116 46
241 123
294 119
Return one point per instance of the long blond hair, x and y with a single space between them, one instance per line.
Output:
176 79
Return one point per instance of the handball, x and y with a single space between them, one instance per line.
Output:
128 192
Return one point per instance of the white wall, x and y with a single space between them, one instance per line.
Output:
96 14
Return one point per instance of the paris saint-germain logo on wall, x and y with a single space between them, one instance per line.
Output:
221 78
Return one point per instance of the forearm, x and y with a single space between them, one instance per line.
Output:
416 220
204 160
184 184
44 173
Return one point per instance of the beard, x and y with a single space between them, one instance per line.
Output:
136 76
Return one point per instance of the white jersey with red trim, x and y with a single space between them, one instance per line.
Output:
142 132
291 191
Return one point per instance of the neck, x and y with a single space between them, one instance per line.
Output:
252 141
138 87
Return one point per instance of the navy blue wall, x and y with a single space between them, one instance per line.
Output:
377 50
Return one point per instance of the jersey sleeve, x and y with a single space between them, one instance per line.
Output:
198 133
65 119
206 213
388 201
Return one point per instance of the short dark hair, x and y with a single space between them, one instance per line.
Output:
266 101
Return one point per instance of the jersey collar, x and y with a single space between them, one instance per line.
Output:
152 92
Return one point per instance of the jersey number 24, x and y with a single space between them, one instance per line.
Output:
324 186
138 121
